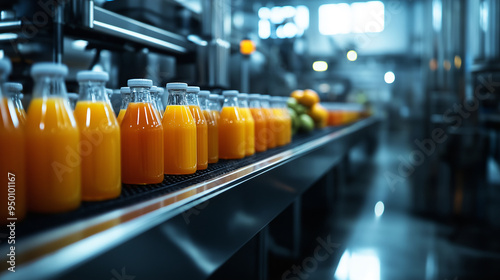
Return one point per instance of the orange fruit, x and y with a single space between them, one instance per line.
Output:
318 113
309 98
297 94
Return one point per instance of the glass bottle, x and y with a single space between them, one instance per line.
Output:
141 138
13 90
232 142
13 157
201 127
125 93
180 133
52 144
279 121
270 118
109 94
99 138
72 99
260 123
249 124
214 106
213 129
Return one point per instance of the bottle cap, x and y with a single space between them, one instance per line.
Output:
176 86
153 89
204 94
265 97
160 90
231 93
214 96
276 98
125 90
13 86
139 83
49 68
243 96
5 66
254 96
92 76
193 89
109 91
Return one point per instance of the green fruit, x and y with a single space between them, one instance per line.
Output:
291 102
306 123
300 109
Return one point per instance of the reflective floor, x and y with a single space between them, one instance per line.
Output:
379 235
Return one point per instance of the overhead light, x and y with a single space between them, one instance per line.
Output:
458 61
389 77
379 208
433 65
352 55
320 66
80 44
264 29
247 47
447 65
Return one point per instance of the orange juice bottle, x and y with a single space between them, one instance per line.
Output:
215 106
12 163
13 90
232 128
52 144
279 124
141 138
125 92
271 121
201 127
249 124
72 99
212 123
180 133
260 123
99 139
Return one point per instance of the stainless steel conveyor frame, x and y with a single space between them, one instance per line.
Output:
195 229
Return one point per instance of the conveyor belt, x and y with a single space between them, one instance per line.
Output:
132 194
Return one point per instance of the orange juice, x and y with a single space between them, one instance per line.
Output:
201 136
213 137
100 142
232 128
21 116
12 164
260 129
271 124
279 127
53 151
249 131
141 145
121 114
180 140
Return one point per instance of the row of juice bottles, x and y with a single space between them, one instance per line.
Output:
59 157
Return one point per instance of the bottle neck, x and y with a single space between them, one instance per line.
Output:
203 102
264 104
49 86
93 91
230 101
254 103
176 97
140 94
243 103
213 105
125 101
192 99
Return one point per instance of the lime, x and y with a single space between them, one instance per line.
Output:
306 123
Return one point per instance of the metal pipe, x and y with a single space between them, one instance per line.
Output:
58 32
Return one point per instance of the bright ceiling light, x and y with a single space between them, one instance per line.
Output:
352 55
320 66
389 77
